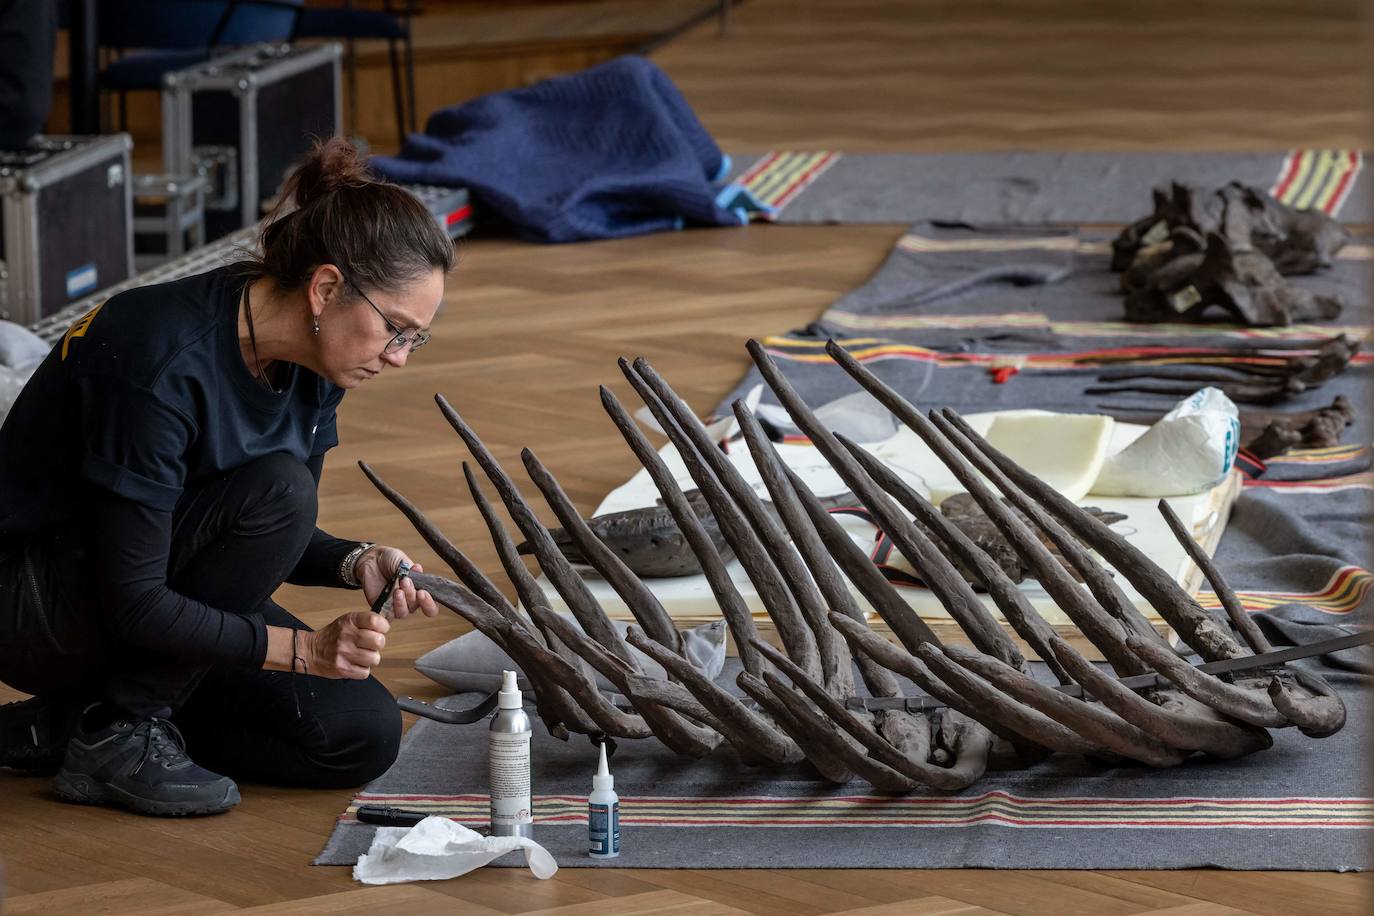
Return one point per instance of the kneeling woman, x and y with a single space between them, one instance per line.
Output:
158 479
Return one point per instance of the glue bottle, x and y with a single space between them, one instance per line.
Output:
508 763
603 813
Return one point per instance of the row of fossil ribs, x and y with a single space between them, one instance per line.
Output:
801 561
1266 373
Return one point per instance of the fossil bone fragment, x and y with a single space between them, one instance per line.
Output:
1242 283
650 542
1316 429
1297 241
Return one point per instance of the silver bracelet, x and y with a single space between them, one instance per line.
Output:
350 560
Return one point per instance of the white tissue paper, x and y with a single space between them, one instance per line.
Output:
438 848
1190 449
11 383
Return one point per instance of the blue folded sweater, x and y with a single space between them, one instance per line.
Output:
608 152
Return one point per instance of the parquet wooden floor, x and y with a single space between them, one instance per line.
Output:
528 332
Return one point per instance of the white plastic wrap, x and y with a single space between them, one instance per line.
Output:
19 346
11 383
1190 449
438 848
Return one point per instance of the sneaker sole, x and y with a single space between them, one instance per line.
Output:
74 787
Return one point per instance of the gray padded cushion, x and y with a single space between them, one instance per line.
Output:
473 662
20 347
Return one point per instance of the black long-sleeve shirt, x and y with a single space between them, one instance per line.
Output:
145 396
130 570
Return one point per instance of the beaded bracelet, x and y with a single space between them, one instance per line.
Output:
346 567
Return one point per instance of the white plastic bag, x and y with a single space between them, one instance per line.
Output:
438 848
19 346
11 383
1190 449
858 416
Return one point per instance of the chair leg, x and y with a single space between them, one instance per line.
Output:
352 52
410 78
396 91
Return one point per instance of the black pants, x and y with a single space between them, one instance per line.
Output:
234 539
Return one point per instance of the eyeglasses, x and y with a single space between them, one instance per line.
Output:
413 339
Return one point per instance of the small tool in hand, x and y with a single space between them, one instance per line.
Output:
382 605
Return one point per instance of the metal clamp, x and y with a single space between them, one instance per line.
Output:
467 716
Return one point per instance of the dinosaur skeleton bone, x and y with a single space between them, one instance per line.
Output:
797 702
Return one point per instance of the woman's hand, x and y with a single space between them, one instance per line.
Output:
350 647
374 570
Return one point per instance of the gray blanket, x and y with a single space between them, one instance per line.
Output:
946 303
1303 804
1010 188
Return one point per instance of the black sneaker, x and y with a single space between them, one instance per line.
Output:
141 764
34 734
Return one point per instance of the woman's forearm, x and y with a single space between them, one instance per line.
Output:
129 572
279 649
319 564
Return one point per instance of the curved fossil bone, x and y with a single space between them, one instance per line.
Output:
1197 628
1010 600
804 733
677 733
749 549
1239 619
732 606
1092 722
1108 595
609 719
1217 737
833 655
1318 710
968 766
553 704
944 580
750 733
588 613
642 602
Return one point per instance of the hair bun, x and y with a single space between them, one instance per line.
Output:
331 165
380 232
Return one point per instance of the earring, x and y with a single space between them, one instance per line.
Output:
315 325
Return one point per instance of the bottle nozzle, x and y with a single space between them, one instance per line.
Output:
603 778
509 697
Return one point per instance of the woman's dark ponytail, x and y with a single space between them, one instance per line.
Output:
331 211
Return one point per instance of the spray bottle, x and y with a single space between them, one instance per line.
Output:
508 763
603 813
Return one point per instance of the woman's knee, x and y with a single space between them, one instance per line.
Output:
361 743
284 487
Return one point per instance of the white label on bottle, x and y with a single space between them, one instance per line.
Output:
509 763
603 829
